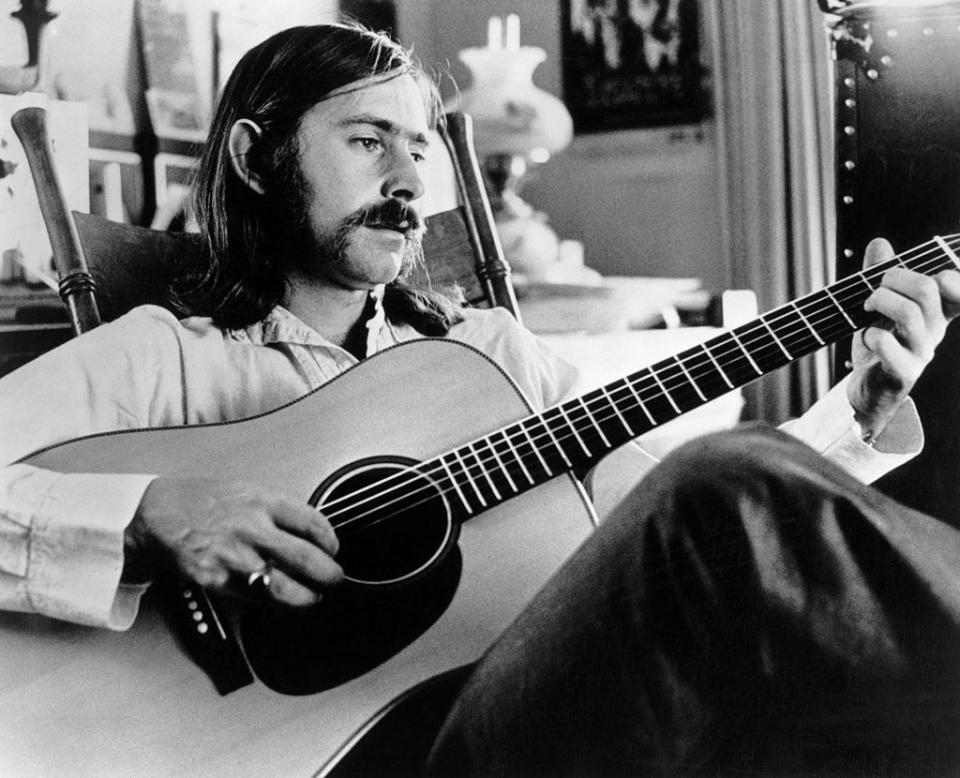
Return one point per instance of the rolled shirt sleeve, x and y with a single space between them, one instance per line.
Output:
829 427
62 539
62 535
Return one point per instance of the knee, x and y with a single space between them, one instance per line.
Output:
748 453
751 468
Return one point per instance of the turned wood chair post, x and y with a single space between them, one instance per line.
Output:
77 287
492 268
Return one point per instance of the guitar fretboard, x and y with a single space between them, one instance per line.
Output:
574 435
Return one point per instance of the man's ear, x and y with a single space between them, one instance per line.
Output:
243 135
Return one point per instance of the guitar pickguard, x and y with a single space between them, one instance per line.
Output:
351 631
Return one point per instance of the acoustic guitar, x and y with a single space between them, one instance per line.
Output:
453 503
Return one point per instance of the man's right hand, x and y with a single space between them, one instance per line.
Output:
216 533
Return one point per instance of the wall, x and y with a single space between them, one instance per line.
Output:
91 54
644 202
87 54
90 51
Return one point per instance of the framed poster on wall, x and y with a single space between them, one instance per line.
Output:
632 63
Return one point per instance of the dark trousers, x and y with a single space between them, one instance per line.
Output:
748 610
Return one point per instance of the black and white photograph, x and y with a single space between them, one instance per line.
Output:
479 388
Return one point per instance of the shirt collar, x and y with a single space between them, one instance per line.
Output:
281 326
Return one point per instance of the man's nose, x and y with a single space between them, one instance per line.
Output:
403 182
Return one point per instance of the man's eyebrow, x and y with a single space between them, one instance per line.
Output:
387 126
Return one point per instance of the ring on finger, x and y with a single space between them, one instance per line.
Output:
258 582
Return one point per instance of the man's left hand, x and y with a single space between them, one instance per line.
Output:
888 359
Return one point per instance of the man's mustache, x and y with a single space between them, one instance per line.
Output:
391 215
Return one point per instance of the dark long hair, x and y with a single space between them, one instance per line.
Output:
238 277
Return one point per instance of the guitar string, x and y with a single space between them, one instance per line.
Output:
686 365
431 492
697 352
482 463
430 489
471 472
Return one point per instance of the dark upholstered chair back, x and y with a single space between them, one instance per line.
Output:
132 265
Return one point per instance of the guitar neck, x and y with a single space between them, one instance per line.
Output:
579 432
575 434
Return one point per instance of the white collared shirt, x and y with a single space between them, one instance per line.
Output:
61 535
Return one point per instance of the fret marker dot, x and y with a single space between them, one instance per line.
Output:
202 628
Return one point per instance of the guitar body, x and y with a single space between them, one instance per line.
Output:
80 701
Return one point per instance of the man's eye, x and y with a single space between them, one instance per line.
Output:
370 144
418 156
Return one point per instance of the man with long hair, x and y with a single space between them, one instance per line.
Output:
746 567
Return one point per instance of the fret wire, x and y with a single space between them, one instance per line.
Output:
476 490
656 389
703 347
795 334
518 458
663 389
537 450
643 407
616 410
456 485
846 284
576 434
809 326
497 464
693 383
825 308
839 308
783 348
500 463
485 471
606 441
733 334
828 309
948 251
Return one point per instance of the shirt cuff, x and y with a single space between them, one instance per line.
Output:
830 428
75 552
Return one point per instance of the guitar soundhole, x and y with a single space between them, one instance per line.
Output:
402 566
393 523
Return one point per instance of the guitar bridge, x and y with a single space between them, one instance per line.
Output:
204 636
